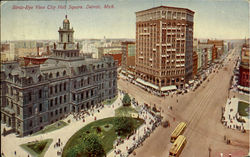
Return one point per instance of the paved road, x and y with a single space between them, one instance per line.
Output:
202 112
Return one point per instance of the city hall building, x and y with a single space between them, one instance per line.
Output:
164 47
34 96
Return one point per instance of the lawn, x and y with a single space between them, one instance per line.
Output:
242 107
107 135
125 111
52 127
110 101
37 148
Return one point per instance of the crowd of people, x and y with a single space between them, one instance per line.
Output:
81 115
151 122
59 145
230 117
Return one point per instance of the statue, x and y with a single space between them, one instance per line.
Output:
54 45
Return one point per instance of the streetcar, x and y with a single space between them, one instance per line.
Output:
178 131
177 146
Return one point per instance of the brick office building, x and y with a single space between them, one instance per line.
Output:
128 55
219 45
164 46
244 69
195 63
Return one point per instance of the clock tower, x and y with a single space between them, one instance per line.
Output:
66 47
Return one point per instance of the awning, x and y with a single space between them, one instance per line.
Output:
130 72
147 83
191 81
246 89
123 71
168 88
240 87
130 76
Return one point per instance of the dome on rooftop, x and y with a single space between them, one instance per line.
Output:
66 20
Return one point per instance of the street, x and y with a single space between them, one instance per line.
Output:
201 110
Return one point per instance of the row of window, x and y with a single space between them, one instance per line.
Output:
37 109
60 111
58 100
83 95
58 74
58 88
12 106
57 112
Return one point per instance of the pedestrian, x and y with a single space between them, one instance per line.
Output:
15 152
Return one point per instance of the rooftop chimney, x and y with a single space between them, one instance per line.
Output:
37 51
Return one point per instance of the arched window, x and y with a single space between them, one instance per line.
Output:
10 76
50 75
30 80
39 78
57 74
64 72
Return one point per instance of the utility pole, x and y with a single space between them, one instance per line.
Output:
209 151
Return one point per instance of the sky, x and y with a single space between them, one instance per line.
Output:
214 19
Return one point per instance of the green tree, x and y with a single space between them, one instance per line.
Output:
92 146
74 151
123 125
126 100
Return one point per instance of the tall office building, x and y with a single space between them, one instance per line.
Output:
164 46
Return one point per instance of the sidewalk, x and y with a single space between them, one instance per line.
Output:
231 115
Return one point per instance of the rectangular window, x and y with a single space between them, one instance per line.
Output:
41 119
30 123
65 86
60 99
29 96
51 102
51 90
30 110
55 101
40 93
55 88
65 98
40 107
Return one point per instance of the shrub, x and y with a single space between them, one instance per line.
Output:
92 146
98 129
126 100
123 125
